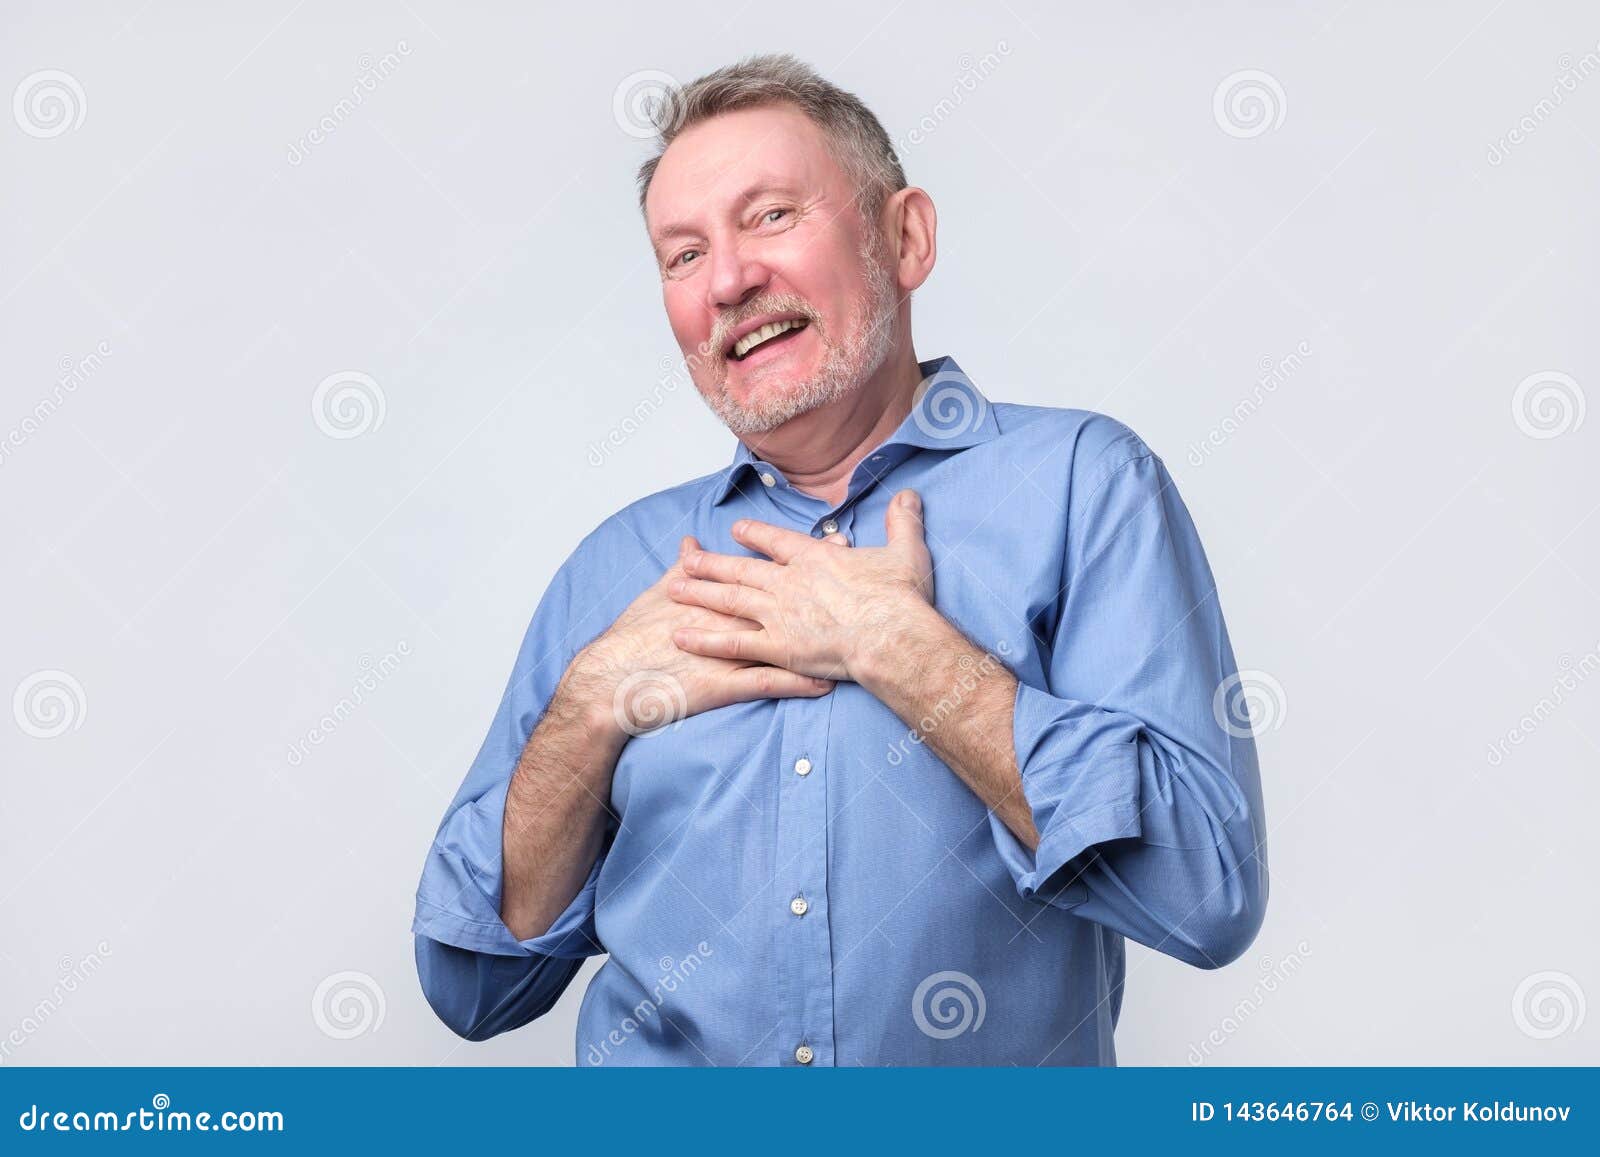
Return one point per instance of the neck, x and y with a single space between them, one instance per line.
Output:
819 450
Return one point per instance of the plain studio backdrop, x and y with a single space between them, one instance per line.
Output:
328 336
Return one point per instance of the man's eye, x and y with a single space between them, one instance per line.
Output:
770 212
679 259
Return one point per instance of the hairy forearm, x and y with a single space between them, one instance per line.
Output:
960 701
555 807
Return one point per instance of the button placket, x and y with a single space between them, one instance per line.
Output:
801 937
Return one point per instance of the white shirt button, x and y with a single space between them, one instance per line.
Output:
768 479
798 905
802 766
830 527
804 1055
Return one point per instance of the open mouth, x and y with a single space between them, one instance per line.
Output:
768 337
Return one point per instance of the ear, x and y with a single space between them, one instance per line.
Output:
912 226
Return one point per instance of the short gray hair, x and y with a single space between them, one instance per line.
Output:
856 137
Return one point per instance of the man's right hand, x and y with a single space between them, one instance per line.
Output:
635 672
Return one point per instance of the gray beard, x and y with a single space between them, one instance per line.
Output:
846 363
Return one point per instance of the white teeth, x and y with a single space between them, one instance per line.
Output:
772 329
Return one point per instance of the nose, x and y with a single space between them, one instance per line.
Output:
736 277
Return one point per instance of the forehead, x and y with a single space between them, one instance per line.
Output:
710 167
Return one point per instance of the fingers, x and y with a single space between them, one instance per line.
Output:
749 646
727 568
837 539
728 598
773 541
902 522
716 620
749 683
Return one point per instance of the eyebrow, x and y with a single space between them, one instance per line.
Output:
677 228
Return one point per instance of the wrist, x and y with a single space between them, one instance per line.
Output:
585 701
897 651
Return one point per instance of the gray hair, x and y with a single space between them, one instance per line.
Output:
855 136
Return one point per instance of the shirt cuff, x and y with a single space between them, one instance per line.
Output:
458 900
1080 776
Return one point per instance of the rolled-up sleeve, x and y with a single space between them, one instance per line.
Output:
1147 800
478 977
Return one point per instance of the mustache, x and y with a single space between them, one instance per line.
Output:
722 333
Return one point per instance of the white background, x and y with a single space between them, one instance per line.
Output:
1395 547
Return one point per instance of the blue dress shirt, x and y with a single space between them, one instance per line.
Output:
802 881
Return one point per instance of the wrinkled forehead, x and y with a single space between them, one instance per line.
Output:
710 168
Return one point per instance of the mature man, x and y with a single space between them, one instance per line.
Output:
872 747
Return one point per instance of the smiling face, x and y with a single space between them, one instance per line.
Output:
754 223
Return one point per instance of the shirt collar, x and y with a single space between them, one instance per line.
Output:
948 412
